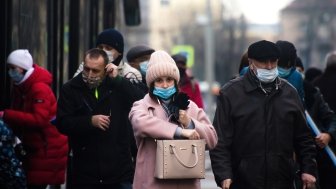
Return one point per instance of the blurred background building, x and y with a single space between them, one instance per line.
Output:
62 31
311 26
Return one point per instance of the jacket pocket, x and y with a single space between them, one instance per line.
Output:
282 168
250 171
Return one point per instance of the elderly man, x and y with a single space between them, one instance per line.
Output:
260 124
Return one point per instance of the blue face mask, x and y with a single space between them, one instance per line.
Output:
15 75
143 67
267 76
164 93
283 73
244 70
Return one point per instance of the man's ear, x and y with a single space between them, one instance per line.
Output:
250 63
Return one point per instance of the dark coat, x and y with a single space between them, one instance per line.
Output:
33 106
325 120
319 110
326 83
99 157
258 134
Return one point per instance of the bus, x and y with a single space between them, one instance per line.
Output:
57 33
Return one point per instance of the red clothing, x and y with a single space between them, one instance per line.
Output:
33 106
192 89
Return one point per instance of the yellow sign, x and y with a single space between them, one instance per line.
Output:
186 50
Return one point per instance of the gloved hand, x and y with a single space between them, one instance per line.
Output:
174 110
180 102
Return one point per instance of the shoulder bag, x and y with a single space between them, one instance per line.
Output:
180 159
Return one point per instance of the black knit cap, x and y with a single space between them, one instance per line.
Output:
138 51
263 51
180 59
287 54
112 38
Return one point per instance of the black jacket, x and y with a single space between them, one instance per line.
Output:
258 134
98 156
326 84
324 118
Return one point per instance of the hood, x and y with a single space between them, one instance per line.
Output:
39 75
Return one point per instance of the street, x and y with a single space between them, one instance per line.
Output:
209 181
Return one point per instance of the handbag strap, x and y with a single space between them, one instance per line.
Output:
173 150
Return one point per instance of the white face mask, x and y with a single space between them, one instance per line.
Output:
267 76
143 67
110 56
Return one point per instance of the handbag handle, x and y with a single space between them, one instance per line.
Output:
173 150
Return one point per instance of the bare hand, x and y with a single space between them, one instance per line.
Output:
111 70
322 140
191 134
226 184
308 181
101 121
184 119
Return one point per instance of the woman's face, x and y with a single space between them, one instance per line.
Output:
13 67
164 82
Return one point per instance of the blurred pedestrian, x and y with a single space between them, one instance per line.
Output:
160 116
244 64
93 112
138 57
299 66
325 119
260 123
326 82
188 84
312 73
33 105
112 42
12 175
287 66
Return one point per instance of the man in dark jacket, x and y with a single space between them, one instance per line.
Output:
325 120
326 81
93 112
260 123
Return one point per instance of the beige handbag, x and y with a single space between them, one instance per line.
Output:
180 159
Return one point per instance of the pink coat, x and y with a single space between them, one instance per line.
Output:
147 128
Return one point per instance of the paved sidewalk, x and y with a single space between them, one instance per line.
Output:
209 181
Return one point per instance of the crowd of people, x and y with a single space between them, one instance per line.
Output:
102 130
